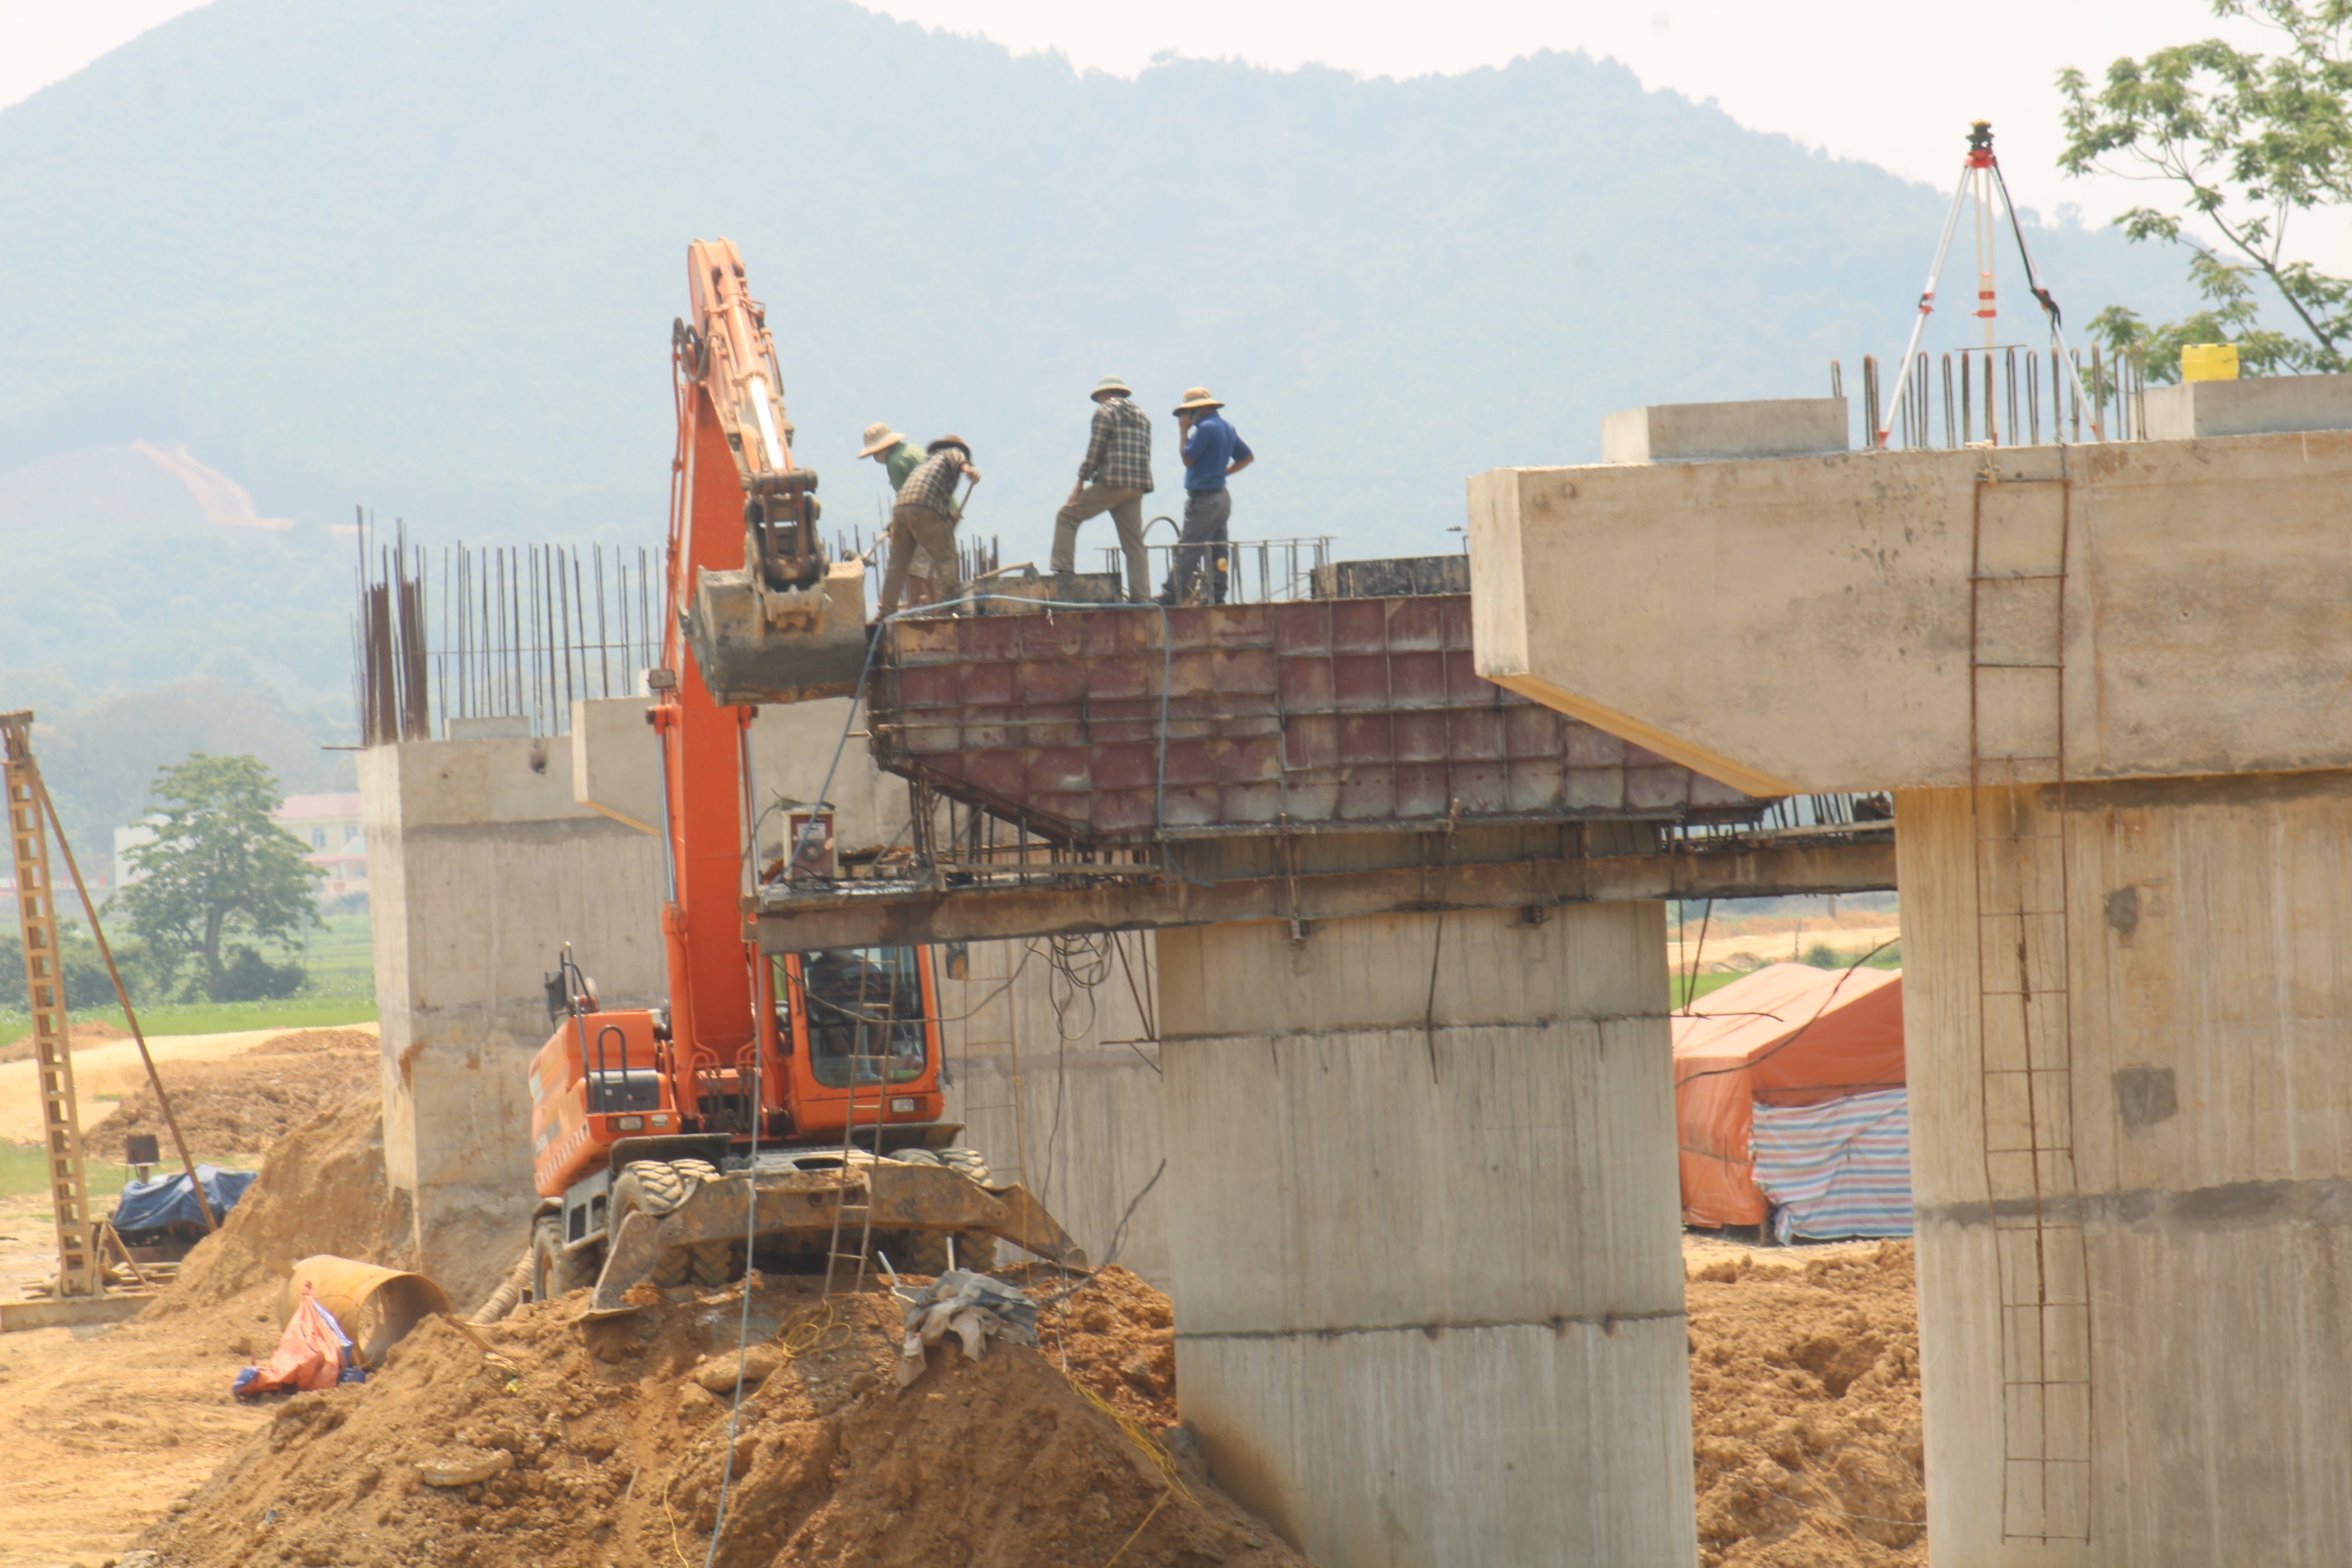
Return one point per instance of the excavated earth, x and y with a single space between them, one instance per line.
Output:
1805 1406
608 1444
81 1038
616 1443
241 1107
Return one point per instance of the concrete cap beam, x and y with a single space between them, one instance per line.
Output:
1873 620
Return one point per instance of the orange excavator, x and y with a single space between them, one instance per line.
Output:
785 1110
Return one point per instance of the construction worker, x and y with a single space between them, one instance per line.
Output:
1214 452
897 456
926 516
1114 477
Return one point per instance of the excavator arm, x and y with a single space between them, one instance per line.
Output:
785 625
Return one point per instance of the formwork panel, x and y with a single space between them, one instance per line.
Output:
1121 724
1359 625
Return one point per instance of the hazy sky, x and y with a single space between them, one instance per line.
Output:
1893 84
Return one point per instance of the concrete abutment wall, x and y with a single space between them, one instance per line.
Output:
1428 1275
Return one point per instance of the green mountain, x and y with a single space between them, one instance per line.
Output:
423 254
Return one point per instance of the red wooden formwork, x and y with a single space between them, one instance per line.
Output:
1089 726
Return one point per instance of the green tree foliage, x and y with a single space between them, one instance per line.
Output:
87 987
219 877
2248 140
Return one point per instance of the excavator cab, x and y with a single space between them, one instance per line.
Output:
858 1028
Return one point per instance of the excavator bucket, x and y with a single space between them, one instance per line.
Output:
759 643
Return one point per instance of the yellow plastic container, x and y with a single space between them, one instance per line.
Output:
2208 361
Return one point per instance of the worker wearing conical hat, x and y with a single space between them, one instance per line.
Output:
1113 477
898 455
1214 452
926 516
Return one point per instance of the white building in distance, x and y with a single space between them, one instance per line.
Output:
326 824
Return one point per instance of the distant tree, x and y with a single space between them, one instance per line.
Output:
219 869
2249 140
87 989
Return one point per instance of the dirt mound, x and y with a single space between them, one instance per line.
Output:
300 1041
81 1036
1805 1410
1115 1334
322 1189
243 1105
601 1444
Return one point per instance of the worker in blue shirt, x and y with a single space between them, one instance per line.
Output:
1214 452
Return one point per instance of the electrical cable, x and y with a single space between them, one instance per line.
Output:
1690 988
1118 1234
744 1326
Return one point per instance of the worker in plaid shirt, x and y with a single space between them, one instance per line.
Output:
1115 477
926 515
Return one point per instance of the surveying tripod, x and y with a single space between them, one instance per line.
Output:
1980 180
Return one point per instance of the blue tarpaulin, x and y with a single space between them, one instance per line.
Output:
169 1200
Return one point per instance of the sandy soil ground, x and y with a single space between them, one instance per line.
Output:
114 1069
108 1427
1803 1365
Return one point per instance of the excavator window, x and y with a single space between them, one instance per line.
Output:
865 1014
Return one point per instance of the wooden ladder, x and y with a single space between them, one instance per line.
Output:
2017 731
78 1270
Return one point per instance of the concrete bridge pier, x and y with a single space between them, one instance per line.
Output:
2144 1365
2109 688
1427 1267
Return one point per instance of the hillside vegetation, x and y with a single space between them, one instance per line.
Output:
425 254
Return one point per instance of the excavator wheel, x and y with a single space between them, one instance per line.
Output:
926 1251
712 1262
971 1162
652 1186
554 1271
920 1252
657 1186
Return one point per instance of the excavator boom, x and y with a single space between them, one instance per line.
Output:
783 624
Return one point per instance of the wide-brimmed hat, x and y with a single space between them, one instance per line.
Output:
1112 383
955 441
879 437
1197 397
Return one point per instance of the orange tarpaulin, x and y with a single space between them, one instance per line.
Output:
1788 1034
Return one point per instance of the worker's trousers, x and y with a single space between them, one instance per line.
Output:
1126 508
1206 515
911 525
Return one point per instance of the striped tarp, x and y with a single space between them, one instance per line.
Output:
1839 1168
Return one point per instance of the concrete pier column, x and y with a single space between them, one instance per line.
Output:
482 867
2136 1347
1429 1287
